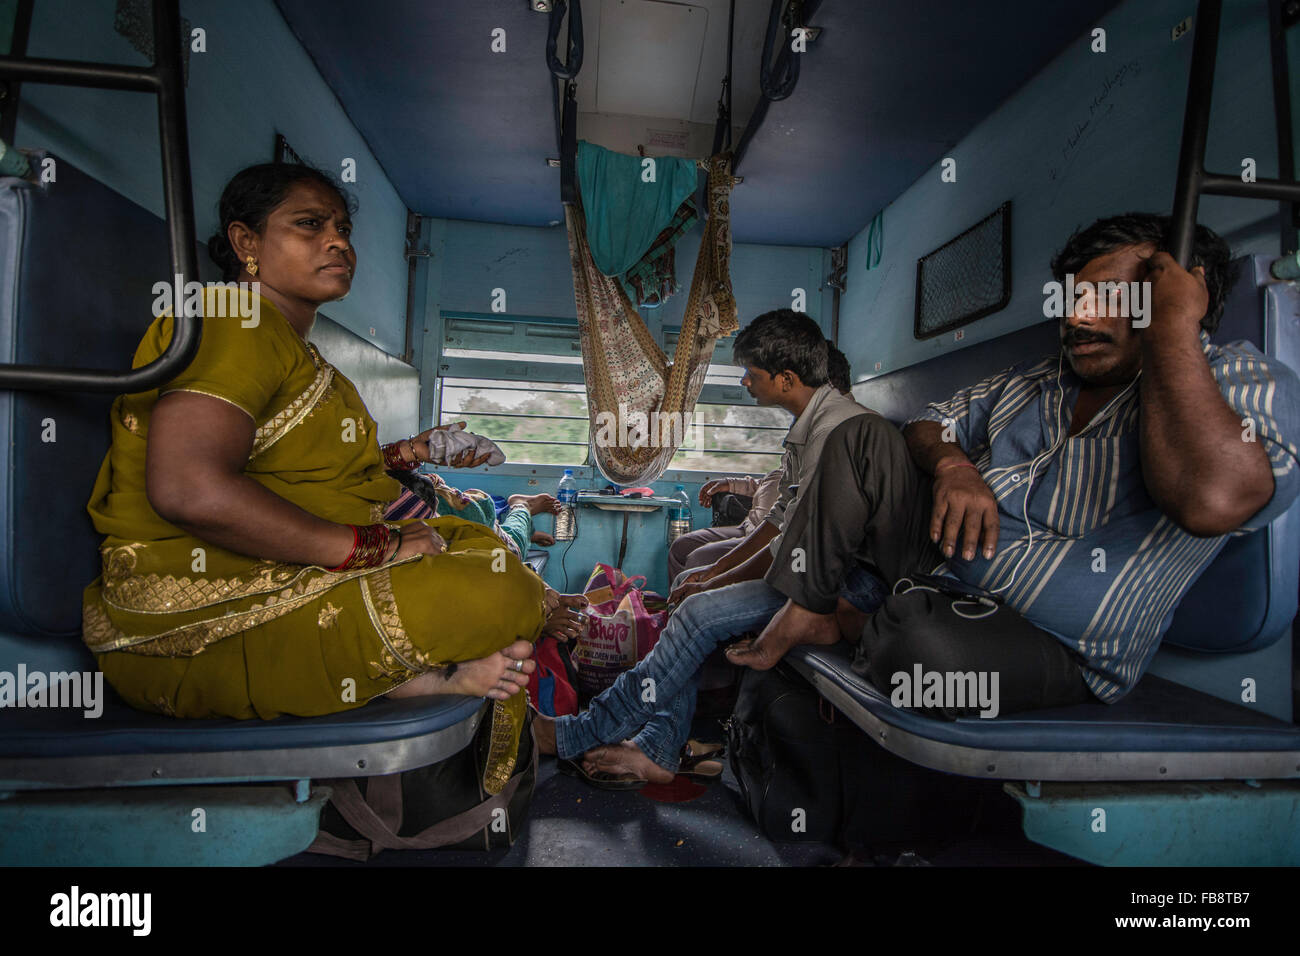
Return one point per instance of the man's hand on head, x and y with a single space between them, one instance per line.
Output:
1179 298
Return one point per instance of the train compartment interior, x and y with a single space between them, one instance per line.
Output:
460 130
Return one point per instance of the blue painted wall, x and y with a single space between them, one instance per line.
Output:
1093 134
254 80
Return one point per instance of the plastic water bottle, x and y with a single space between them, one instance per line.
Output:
567 493
679 514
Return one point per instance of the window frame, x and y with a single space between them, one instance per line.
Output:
455 335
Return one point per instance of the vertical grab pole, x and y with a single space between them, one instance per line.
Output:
173 133
1287 215
1196 125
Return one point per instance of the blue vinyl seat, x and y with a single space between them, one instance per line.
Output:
79 262
1185 720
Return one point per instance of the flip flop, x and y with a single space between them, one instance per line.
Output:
697 748
601 779
702 769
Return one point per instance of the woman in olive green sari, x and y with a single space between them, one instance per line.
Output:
246 571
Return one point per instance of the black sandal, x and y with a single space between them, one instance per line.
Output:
601 779
701 749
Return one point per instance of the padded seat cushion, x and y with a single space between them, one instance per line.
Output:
122 730
1158 715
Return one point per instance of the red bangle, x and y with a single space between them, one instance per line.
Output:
955 464
369 547
347 562
393 460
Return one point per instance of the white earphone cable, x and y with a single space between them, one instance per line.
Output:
1062 436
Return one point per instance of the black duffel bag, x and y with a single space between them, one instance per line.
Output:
441 806
807 773
783 754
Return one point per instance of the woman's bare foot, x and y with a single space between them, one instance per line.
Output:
544 731
536 504
542 538
497 676
792 625
625 759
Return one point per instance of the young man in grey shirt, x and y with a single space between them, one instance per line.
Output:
785 358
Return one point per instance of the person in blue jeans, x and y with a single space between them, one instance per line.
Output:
785 357
655 700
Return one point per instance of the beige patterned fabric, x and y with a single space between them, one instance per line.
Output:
624 365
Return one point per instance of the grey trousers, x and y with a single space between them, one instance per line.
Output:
870 504
700 547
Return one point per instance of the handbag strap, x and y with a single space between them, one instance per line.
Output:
331 845
378 820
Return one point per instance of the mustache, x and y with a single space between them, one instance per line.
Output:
1080 336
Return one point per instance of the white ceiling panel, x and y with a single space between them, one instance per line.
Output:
649 57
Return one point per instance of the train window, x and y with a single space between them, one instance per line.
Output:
729 432
733 438
519 379
536 423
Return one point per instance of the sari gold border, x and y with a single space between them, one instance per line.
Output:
101 635
504 747
382 610
199 391
292 415
168 594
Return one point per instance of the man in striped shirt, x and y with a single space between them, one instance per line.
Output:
1086 490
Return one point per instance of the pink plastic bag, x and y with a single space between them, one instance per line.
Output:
619 630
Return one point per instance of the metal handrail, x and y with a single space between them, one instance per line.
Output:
165 79
1193 178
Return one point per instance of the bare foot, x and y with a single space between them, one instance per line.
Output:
536 504
542 538
626 758
544 731
497 676
850 620
792 625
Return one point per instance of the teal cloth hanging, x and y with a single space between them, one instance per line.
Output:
875 240
624 213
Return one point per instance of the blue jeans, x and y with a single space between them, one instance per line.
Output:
657 696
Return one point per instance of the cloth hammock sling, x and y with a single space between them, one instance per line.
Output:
639 402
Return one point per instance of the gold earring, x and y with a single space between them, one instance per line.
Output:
251 265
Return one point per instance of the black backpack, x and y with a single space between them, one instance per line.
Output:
784 755
807 773
730 509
